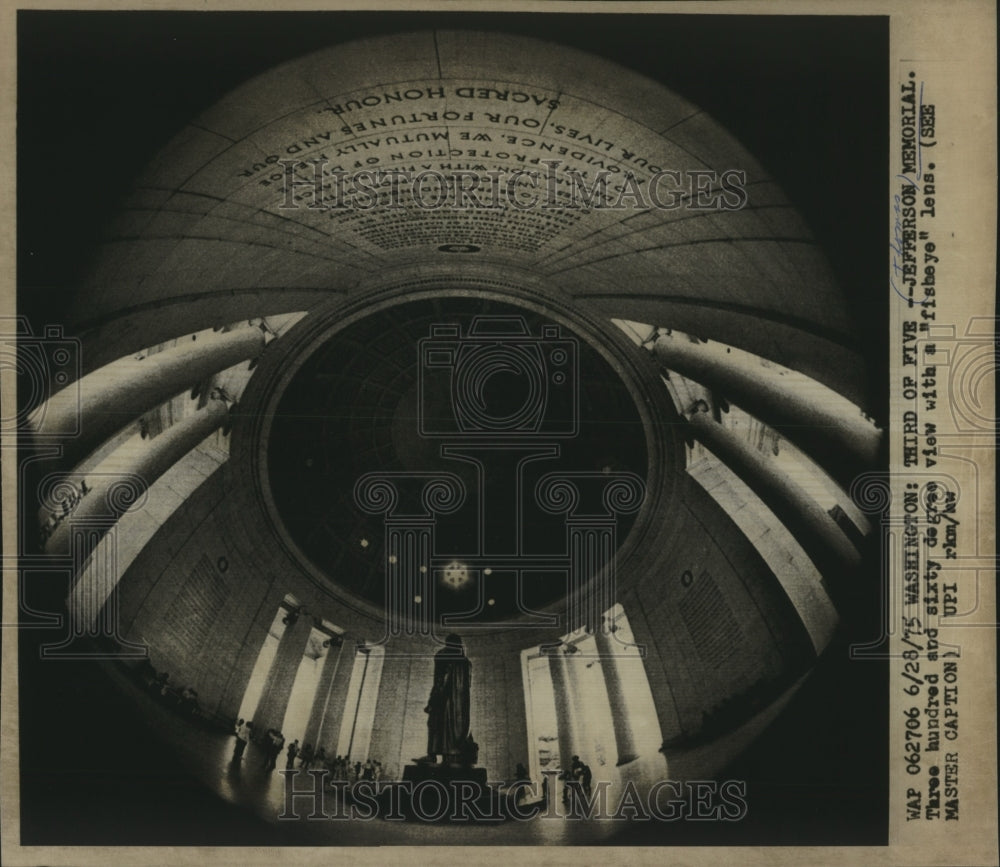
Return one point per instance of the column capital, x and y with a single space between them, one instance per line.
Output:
588 494
408 495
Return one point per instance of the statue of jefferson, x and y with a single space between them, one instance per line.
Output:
448 706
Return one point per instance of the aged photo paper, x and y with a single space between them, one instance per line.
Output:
557 432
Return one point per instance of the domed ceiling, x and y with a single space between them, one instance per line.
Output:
228 215
338 176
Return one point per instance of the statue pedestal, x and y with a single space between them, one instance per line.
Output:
445 774
447 793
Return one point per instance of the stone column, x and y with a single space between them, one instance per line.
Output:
569 735
822 540
93 608
93 408
121 481
612 656
333 714
278 688
584 743
317 716
824 425
662 689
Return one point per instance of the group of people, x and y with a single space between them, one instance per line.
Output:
576 780
343 770
306 756
183 699
340 767
272 742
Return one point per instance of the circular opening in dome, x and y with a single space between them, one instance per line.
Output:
443 432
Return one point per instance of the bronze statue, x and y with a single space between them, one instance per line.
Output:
448 706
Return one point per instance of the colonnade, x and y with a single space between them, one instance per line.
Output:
826 427
81 499
572 698
89 411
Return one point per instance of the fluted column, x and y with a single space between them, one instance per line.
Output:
668 715
569 736
281 678
92 606
336 701
317 716
409 540
92 409
408 577
823 424
592 586
612 658
119 482
814 529
584 743
592 503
